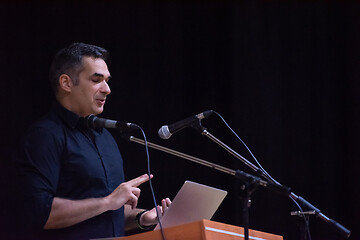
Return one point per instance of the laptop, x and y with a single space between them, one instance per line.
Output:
192 203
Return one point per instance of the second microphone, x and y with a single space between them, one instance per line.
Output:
166 131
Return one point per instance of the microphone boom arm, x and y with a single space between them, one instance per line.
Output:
239 174
185 156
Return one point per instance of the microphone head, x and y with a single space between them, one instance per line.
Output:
164 132
97 123
90 121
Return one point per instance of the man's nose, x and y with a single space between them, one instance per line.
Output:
105 88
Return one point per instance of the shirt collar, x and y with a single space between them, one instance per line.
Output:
70 118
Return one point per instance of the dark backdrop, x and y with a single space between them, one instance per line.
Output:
284 74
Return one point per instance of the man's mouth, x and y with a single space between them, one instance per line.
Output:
101 100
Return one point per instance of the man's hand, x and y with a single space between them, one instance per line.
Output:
150 218
65 212
126 193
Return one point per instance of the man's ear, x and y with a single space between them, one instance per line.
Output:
65 82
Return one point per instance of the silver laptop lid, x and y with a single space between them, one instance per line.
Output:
193 202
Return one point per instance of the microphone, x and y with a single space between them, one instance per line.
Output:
166 131
97 123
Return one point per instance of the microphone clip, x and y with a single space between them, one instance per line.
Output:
197 126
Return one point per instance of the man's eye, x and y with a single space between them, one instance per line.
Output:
95 80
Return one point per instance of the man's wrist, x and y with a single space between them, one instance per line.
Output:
138 223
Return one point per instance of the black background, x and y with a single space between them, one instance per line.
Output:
284 74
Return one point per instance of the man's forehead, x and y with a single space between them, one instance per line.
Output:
95 66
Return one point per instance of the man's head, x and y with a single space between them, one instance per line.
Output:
69 61
79 77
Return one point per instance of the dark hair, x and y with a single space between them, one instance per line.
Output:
69 61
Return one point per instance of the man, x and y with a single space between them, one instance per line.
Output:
73 175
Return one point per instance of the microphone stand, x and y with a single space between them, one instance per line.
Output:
254 181
332 223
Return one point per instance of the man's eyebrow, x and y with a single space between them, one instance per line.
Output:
100 75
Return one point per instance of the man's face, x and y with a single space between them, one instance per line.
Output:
89 96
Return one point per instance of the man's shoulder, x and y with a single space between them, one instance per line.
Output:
47 132
50 123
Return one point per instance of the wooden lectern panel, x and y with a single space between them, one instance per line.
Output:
203 230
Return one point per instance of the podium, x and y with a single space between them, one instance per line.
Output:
203 230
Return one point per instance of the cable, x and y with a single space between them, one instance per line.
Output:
252 155
268 175
150 182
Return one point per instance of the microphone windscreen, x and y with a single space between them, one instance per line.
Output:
164 132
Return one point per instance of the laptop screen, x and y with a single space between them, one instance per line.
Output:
193 202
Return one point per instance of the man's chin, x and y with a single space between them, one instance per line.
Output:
98 111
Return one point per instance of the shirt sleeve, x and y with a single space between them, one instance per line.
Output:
40 167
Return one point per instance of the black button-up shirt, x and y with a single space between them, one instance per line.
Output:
62 158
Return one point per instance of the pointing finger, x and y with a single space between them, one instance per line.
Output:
139 180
